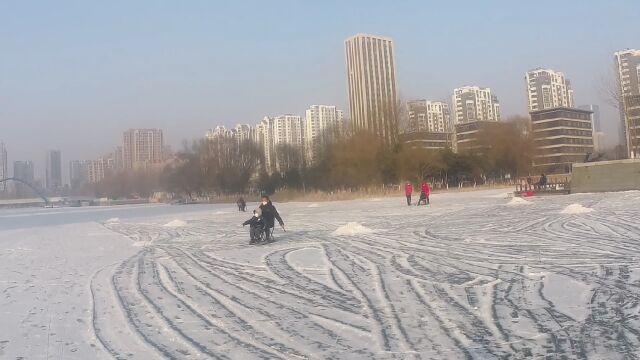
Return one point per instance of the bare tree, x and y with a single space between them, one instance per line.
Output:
628 106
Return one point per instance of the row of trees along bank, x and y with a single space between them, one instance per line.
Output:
224 166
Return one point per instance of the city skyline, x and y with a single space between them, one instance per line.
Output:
129 79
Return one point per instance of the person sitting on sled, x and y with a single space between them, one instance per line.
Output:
256 226
424 194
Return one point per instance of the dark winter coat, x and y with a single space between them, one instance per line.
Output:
270 214
255 222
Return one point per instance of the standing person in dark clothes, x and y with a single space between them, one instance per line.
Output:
408 191
542 183
270 215
242 205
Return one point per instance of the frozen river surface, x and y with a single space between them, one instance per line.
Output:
473 275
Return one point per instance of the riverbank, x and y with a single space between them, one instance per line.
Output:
342 195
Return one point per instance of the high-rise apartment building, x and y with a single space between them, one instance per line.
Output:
547 89
53 171
474 103
242 132
4 173
428 116
219 131
287 140
142 148
78 173
627 63
278 136
264 139
595 116
23 170
475 108
98 169
322 124
371 77
118 158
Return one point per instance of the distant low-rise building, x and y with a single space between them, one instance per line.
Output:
562 136
428 140
467 136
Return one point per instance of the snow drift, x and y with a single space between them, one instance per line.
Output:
518 201
176 223
351 228
576 209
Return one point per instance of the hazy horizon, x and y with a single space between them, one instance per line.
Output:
76 75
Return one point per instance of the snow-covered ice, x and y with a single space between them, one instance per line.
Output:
465 277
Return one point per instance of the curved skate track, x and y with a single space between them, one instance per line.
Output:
468 277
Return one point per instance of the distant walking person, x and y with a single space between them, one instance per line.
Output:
408 191
424 193
242 205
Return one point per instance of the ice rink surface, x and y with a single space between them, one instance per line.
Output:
474 275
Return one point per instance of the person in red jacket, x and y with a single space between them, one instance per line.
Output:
425 192
408 191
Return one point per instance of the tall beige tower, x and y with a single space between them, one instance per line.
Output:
371 75
627 64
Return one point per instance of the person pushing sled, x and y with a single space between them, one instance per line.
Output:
424 194
263 221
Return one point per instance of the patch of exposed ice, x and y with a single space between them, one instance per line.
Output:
220 213
568 295
518 201
176 223
351 228
576 209
113 220
314 205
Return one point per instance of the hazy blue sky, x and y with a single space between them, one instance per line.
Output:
75 74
